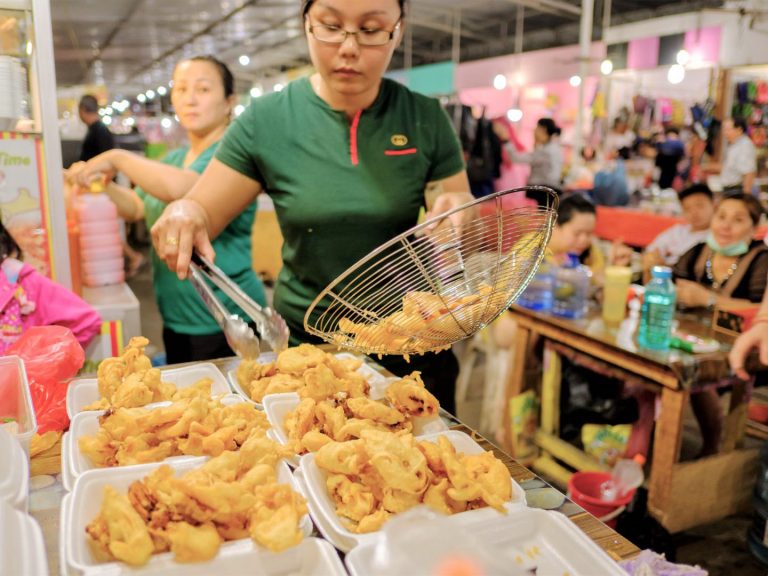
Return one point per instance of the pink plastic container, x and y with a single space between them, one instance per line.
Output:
101 266
111 226
103 278
95 208
106 252
89 242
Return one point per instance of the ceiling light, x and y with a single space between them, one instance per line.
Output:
141 98
161 90
514 114
256 91
107 120
239 109
278 87
166 123
150 94
683 57
499 81
129 122
244 60
606 67
676 74
108 111
575 80
124 103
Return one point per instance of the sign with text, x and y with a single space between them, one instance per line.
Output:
23 197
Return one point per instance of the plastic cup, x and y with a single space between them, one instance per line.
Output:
617 280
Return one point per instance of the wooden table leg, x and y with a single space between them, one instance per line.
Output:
736 420
550 392
515 381
666 446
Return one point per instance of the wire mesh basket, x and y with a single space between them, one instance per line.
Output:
435 284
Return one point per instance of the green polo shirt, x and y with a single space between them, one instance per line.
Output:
341 188
180 305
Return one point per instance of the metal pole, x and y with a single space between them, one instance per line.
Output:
456 46
585 39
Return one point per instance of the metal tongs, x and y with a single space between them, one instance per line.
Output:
240 336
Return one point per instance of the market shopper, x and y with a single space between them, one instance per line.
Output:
28 299
203 97
98 138
739 166
546 158
348 158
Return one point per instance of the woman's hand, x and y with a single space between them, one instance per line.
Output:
692 295
101 168
755 337
183 227
446 202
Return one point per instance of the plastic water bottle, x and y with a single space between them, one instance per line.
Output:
571 289
538 294
658 310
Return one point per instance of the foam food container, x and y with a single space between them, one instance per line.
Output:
84 503
335 530
85 391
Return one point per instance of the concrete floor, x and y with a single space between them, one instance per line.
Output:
719 547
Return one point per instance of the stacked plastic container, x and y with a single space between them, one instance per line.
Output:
101 248
21 541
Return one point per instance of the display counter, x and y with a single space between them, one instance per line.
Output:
45 503
120 321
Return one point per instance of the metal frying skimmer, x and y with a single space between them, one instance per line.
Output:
239 335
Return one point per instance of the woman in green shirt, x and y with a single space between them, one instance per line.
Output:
347 157
203 98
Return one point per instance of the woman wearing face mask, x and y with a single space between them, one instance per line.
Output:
347 157
203 97
728 268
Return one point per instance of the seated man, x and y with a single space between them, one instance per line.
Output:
666 249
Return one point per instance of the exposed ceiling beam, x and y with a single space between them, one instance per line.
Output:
557 7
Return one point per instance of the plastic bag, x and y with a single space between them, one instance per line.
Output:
52 356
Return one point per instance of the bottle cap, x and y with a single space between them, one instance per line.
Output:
664 272
639 458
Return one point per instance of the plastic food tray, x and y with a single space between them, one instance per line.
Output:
22 550
14 472
378 381
277 407
85 391
15 399
74 463
313 480
527 538
84 502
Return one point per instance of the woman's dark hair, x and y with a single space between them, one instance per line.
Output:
8 246
572 205
752 204
307 4
227 79
549 125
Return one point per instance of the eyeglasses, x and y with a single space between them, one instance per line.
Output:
365 37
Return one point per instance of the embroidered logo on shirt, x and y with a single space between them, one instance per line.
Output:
399 140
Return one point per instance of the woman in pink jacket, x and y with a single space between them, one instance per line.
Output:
27 299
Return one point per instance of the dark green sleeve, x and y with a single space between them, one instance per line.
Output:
237 148
447 158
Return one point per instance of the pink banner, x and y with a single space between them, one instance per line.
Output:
643 53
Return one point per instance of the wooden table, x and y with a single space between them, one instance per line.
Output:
45 503
681 495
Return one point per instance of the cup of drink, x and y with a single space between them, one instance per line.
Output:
617 280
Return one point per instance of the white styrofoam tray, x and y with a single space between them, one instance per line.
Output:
526 539
22 550
85 391
378 381
14 385
277 407
14 472
313 480
82 505
74 462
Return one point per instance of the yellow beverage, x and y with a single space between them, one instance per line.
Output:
617 279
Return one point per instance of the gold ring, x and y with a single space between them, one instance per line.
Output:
171 240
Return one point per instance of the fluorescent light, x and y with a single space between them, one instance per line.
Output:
166 123
683 57
256 91
278 87
141 98
514 114
244 60
161 90
239 109
107 120
499 81
606 67
150 94
575 80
